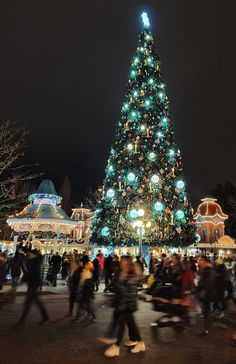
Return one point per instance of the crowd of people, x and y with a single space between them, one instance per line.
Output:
206 283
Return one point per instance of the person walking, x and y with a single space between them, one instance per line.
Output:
108 265
55 263
73 282
15 270
33 280
85 292
206 290
95 273
125 304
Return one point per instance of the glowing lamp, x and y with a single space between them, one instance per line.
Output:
110 168
179 215
110 193
142 127
135 93
147 103
171 153
180 185
151 81
130 146
105 231
141 212
155 178
131 177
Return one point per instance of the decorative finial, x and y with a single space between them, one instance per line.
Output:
145 19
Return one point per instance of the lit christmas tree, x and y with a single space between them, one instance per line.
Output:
144 194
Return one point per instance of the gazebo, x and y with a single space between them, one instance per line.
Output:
43 221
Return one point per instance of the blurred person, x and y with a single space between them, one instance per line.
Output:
95 273
64 266
108 265
3 269
186 278
33 280
151 264
223 285
85 292
55 263
125 304
73 282
140 263
15 270
101 260
206 290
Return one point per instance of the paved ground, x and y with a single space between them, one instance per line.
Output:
63 342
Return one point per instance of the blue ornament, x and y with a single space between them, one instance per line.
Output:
133 214
105 231
110 193
179 215
131 177
158 206
180 184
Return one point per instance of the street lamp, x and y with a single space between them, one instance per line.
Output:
141 230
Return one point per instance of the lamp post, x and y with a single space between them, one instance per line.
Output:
141 230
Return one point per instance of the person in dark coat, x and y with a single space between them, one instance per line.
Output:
55 264
73 282
206 290
125 304
64 267
95 273
3 269
223 285
33 280
108 264
151 264
15 269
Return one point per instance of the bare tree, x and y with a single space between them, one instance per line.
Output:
13 172
92 198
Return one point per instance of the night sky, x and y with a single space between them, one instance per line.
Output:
63 73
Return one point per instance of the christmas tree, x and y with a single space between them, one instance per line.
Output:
144 192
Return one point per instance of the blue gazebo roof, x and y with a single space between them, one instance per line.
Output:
47 187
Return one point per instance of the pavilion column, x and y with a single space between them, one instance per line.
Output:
15 240
55 245
32 242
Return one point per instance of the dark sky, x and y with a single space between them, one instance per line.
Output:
63 72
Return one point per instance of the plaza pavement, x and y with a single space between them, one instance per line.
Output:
62 342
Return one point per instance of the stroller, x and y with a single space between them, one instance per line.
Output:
175 307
